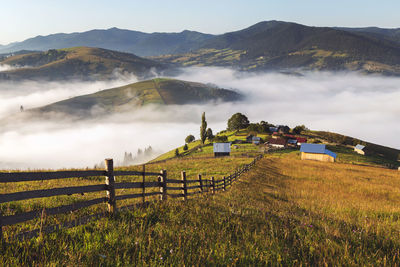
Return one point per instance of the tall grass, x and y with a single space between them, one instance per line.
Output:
283 212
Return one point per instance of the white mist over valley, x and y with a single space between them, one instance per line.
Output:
366 107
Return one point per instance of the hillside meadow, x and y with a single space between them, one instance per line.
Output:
283 212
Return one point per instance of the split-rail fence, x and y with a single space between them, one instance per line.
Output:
168 188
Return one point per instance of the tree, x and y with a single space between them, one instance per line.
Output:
185 147
176 152
209 134
283 129
298 129
203 128
190 138
238 121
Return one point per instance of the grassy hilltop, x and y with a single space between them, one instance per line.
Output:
283 212
82 63
160 91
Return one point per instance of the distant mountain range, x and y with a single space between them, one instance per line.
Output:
133 96
81 63
270 45
281 45
138 43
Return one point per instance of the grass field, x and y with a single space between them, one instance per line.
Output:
283 212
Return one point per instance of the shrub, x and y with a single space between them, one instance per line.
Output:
190 138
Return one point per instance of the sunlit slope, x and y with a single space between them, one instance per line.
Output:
77 63
284 211
276 45
133 96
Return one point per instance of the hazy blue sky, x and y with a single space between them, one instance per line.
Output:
21 19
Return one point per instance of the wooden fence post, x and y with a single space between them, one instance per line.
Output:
213 184
110 181
224 183
184 185
162 179
143 184
200 182
1 227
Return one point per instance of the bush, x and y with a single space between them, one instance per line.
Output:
209 134
176 152
298 129
185 147
190 138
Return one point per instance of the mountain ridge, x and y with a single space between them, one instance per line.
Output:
83 63
267 45
130 41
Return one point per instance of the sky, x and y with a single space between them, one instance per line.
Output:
22 19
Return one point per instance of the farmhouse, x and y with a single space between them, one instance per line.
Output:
300 140
253 139
222 149
316 152
359 149
292 142
277 143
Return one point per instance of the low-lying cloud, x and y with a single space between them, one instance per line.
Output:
32 94
366 107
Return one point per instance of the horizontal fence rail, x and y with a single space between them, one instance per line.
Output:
179 188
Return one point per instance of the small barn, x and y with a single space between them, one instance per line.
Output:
250 138
316 152
359 149
277 143
292 142
222 149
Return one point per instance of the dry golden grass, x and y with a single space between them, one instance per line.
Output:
342 187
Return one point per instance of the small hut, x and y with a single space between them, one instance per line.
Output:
359 149
222 149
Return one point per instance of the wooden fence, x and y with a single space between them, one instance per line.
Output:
168 188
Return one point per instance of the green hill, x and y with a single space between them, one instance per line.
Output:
278 45
129 97
83 63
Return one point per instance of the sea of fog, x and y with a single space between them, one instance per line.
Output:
366 107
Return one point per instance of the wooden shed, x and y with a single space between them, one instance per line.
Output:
316 152
221 149
359 149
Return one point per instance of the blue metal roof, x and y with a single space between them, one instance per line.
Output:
222 147
360 147
316 148
312 148
330 153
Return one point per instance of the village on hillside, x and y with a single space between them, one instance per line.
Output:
242 137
